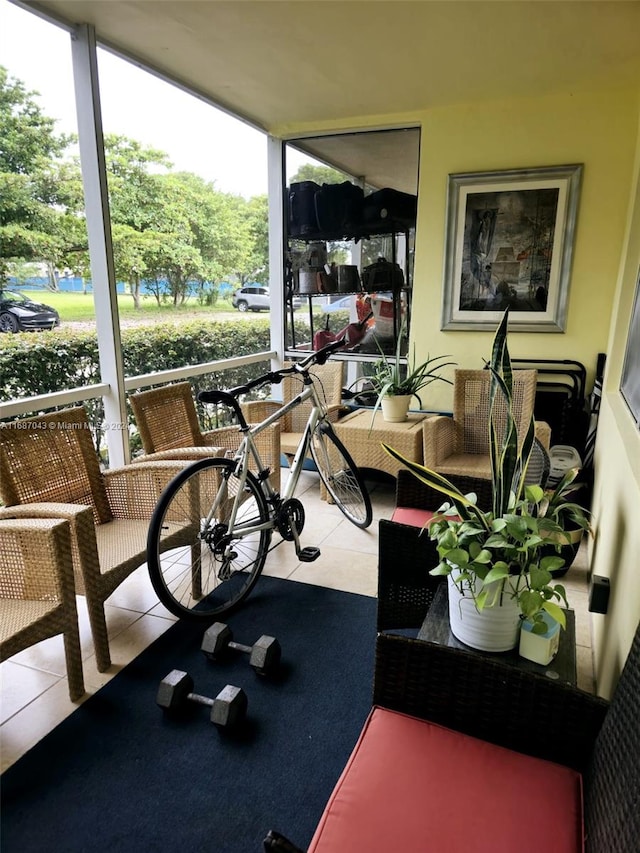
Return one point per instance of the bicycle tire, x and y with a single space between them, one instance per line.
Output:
186 565
341 476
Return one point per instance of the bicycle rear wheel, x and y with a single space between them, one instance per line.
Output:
341 476
198 569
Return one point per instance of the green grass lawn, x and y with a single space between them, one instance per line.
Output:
79 307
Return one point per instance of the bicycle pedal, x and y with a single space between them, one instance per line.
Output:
308 554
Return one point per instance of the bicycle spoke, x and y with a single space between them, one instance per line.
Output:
198 568
341 477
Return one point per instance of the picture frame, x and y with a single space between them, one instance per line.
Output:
509 243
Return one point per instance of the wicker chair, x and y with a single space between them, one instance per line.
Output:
49 469
169 429
460 445
37 592
329 377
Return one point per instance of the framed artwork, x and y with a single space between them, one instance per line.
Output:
509 243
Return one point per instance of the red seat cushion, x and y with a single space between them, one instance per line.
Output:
416 787
414 517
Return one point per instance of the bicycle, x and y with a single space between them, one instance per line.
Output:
227 514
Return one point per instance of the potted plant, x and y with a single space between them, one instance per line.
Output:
396 383
499 561
572 519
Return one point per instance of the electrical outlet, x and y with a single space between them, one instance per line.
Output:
599 594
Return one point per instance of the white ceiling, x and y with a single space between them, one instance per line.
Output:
286 63
387 158
298 64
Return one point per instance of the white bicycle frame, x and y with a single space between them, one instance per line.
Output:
247 450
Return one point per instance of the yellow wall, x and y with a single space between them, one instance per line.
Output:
601 131
616 505
598 130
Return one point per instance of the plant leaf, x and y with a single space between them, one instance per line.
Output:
497 573
467 510
555 612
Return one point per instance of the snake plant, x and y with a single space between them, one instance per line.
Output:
506 543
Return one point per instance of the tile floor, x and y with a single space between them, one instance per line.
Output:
34 695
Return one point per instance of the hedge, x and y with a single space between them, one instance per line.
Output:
41 363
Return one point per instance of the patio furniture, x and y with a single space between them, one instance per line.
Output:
49 469
37 591
405 552
436 628
450 729
460 444
169 429
363 433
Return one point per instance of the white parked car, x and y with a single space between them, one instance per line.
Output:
253 297
343 304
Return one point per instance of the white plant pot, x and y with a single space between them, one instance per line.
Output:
395 408
493 629
540 648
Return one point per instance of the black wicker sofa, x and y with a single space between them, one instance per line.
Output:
466 753
493 703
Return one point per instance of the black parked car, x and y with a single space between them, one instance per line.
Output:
18 313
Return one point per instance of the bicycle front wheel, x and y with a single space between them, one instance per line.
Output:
341 476
199 568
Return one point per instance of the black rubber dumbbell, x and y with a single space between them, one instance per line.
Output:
228 708
264 654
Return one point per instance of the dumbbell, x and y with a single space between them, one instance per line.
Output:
227 709
264 654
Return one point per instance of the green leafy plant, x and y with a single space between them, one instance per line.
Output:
510 543
394 377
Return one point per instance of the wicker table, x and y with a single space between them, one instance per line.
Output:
435 629
363 435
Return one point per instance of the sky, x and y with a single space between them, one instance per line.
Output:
197 137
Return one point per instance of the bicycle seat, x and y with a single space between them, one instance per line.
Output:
218 396
226 398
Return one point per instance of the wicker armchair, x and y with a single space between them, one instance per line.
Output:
169 428
37 592
292 424
49 469
460 445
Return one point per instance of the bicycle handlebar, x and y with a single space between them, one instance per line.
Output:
229 397
322 355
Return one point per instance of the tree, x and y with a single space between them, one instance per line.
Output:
174 230
135 192
319 174
135 256
29 140
31 219
206 221
254 264
136 208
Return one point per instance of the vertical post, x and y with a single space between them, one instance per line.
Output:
94 178
276 181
